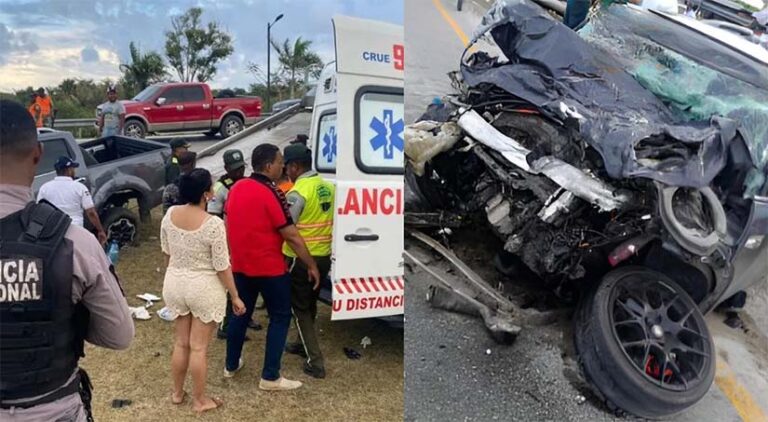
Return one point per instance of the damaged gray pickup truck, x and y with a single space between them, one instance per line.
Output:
116 170
625 166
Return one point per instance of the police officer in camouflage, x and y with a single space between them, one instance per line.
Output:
234 164
56 291
311 206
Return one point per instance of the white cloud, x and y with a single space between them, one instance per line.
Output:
63 31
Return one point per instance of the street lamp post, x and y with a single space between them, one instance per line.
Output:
269 49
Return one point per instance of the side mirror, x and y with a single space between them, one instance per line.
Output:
160 101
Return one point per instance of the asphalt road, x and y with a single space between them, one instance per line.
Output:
280 135
455 371
198 141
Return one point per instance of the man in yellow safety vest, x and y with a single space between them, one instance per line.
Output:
311 206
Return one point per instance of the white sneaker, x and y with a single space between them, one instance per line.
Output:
230 374
280 384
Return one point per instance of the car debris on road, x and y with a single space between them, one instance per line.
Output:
625 166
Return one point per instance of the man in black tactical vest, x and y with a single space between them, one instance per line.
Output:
56 291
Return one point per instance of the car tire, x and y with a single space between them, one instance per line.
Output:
231 125
121 225
630 377
135 128
690 239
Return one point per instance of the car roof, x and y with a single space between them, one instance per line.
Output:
733 40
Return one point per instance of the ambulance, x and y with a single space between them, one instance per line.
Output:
356 137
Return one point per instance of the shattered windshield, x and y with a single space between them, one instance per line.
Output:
695 86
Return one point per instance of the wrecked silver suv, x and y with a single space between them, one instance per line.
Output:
624 165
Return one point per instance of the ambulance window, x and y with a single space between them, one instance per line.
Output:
325 144
379 130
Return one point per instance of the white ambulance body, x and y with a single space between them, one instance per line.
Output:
357 142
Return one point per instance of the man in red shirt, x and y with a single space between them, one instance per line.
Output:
258 221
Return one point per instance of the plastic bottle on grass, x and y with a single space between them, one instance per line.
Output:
113 252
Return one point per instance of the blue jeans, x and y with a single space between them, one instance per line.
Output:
276 292
110 132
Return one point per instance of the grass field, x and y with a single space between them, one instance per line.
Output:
368 389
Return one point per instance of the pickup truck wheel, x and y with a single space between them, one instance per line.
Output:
231 125
135 129
643 344
121 225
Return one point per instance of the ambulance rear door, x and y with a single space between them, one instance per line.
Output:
367 128
322 135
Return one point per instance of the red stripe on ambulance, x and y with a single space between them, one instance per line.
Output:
346 286
372 282
373 201
365 297
383 284
365 285
354 284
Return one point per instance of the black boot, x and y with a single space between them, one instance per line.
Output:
314 371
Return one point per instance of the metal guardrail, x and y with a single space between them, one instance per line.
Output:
271 120
64 123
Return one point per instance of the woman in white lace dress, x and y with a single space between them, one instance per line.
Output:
196 281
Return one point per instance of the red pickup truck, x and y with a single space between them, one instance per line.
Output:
183 107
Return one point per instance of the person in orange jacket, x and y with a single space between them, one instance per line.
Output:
35 111
46 107
284 184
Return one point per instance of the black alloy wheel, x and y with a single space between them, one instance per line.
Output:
652 323
643 344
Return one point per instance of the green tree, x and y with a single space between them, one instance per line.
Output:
193 49
297 61
68 87
144 69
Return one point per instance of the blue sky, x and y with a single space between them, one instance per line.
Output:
45 41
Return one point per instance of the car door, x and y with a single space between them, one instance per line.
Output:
196 109
367 126
750 261
55 146
165 112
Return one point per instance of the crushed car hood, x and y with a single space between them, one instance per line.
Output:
599 83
